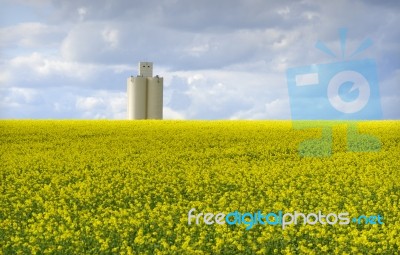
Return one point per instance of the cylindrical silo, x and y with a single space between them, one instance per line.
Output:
129 100
137 94
155 98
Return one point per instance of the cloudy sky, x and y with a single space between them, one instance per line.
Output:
220 59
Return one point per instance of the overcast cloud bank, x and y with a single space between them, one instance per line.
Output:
220 59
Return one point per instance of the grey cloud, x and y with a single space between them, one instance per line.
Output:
392 4
217 16
30 35
190 15
243 45
208 34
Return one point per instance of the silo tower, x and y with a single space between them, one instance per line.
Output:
145 94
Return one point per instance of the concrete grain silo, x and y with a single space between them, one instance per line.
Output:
137 93
145 94
154 97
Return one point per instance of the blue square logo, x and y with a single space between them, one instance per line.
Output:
345 90
335 91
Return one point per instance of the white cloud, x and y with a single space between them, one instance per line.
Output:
170 114
19 102
211 94
111 37
278 109
95 42
30 35
39 65
231 65
101 105
391 106
82 11
89 103
5 78
390 96
16 97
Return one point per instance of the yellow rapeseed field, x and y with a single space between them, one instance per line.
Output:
126 187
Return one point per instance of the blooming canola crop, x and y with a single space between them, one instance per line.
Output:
126 187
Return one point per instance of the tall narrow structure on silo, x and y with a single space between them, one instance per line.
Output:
145 94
